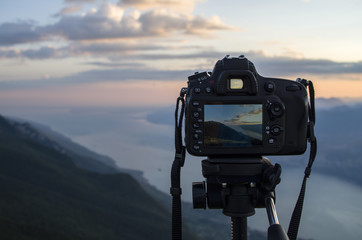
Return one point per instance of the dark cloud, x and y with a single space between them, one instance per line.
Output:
8 54
121 53
126 73
112 50
41 53
38 53
116 65
129 70
117 48
278 65
20 32
269 65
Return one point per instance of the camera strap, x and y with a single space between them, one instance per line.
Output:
297 213
178 162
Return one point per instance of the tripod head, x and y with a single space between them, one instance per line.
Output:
238 186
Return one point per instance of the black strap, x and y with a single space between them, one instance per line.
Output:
297 213
178 162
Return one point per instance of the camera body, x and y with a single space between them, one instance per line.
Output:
234 111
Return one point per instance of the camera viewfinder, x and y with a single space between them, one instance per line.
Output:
236 83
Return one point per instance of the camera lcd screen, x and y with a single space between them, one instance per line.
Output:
233 125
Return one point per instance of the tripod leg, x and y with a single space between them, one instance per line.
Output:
275 230
239 228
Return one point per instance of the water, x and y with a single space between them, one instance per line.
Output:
332 207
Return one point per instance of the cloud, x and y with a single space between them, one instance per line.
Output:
116 65
73 6
127 73
286 65
120 53
95 49
179 5
110 21
68 10
39 53
20 32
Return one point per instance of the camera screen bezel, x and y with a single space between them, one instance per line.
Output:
271 144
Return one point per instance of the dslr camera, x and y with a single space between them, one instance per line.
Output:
234 111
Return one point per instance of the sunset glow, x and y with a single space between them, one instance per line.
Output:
140 53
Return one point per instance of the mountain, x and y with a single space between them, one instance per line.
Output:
207 225
81 156
45 195
338 131
327 103
220 134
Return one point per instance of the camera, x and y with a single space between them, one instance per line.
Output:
233 116
234 111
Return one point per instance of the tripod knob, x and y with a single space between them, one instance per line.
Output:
199 195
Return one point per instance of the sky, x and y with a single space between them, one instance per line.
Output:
234 114
107 73
140 52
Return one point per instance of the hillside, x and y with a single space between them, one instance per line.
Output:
46 196
338 131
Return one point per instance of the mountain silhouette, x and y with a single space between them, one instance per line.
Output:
223 135
45 195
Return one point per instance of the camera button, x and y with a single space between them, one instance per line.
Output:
195 103
269 87
276 130
271 140
208 90
196 114
196 147
195 125
197 90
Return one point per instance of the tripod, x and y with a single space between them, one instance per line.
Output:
238 186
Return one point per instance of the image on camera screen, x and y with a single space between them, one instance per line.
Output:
233 125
